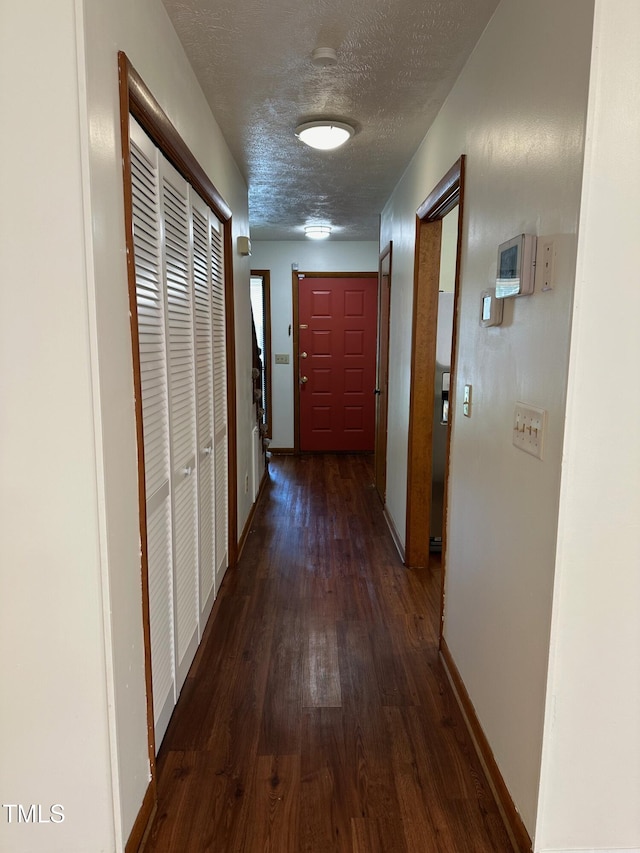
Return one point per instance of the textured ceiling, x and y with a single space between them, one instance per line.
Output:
397 61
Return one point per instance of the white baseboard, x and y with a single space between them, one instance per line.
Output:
588 850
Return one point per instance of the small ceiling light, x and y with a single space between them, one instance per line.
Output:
324 56
325 135
317 232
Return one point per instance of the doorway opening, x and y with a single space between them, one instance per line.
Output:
261 314
382 372
427 382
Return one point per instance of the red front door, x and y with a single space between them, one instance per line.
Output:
337 362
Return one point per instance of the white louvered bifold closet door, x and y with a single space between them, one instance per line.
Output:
220 442
204 401
179 263
182 411
153 369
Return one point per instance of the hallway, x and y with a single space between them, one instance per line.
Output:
316 716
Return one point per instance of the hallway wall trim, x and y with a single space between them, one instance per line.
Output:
510 815
393 530
143 821
247 527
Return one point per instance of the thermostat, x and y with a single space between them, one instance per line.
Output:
516 266
490 308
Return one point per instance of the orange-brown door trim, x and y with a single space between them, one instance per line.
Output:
443 198
382 370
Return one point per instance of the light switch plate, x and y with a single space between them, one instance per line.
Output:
282 358
529 428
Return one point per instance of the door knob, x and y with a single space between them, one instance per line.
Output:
303 355
304 380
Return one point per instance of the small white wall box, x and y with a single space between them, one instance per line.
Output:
516 266
490 308
244 246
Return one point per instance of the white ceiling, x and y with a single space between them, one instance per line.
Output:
397 61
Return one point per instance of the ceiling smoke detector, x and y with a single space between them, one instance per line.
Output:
324 134
324 56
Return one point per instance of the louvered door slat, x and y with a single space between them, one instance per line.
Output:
181 361
155 419
219 396
201 270
161 615
185 542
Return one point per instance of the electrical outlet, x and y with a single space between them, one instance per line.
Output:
529 428
282 358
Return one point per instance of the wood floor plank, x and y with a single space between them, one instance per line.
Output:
317 717
282 709
373 835
273 805
321 674
328 788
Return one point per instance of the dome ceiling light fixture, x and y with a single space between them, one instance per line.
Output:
322 57
324 134
317 232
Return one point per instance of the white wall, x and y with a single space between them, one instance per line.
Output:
338 256
77 717
144 32
590 787
54 737
518 113
449 251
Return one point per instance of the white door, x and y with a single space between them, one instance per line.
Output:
147 238
202 299
182 411
220 438
180 300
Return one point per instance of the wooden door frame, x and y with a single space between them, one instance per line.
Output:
383 333
295 279
447 194
137 100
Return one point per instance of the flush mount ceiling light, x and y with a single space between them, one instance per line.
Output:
324 134
322 57
317 232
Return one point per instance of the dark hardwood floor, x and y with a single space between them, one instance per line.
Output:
316 716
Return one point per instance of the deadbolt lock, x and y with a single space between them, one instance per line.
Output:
303 355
